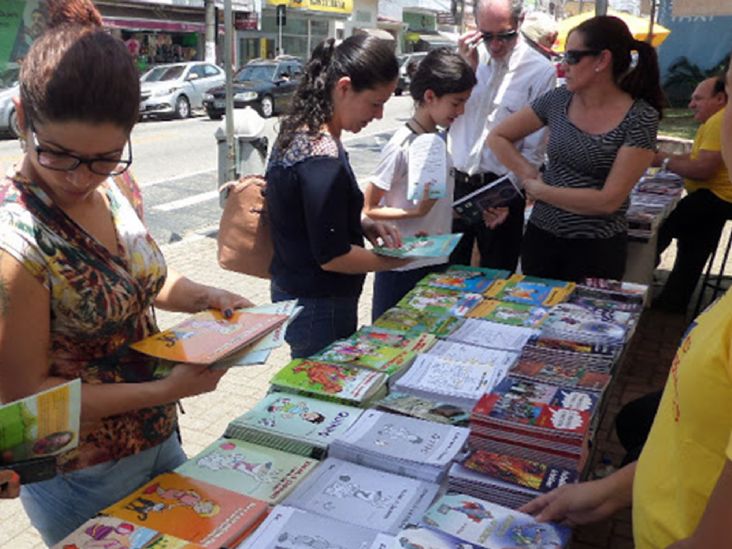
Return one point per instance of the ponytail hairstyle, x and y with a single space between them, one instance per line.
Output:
75 71
642 80
368 61
443 72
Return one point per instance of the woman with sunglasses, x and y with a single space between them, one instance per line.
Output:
602 136
80 274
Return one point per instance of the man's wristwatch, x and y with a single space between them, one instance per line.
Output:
664 164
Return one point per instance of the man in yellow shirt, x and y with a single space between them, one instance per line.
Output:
698 219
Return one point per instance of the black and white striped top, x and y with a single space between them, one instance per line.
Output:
581 160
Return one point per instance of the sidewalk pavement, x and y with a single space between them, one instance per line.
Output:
644 369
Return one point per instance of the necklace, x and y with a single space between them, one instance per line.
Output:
421 127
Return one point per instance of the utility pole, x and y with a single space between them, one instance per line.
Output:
211 24
229 86
600 7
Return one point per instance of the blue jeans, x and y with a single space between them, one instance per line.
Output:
391 286
321 322
58 506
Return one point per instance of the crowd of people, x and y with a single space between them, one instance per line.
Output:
80 274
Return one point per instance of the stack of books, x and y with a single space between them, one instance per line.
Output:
114 532
464 279
493 335
505 479
536 421
295 424
403 445
530 290
563 368
651 200
588 324
439 301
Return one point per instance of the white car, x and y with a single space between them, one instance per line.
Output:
175 89
8 89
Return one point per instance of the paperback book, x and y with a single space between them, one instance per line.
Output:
440 302
492 195
505 312
494 335
206 337
114 533
411 322
296 424
463 279
420 537
362 496
559 372
423 408
530 290
291 528
191 510
435 245
472 354
587 324
492 526
347 384
245 468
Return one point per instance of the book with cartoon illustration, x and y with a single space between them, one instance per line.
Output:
588 324
340 382
257 471
291 528
439 301
115 533
562 373
434 245
456 351
205 337
531 290
293 423
423 408
493 335
192 510
464 279
427 167
491 195
492 526
412 322
505 312
41 425
362 496
400 444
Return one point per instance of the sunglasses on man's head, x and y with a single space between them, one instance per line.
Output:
502 36
572 57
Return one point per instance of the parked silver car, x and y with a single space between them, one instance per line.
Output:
9 89
177 88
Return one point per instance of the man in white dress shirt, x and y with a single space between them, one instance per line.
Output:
512 75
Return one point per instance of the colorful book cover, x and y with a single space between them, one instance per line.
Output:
492 526
245 468
331 380
587 324
206 337
419 537
192 510
391 338
423 408
462 280
515 314
43 424
521 472
436 245
562 374
367 353
491 195
411 322
114 533
431 300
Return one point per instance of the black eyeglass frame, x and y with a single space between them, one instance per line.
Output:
505 36
572 57
124 164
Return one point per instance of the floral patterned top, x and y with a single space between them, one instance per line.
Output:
100 303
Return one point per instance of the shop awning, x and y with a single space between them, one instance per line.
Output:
434 40
134 24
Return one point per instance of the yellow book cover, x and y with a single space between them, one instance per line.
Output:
206 337
192 510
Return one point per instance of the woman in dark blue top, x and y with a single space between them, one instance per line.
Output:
313 199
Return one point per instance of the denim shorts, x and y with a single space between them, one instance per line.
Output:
321 322
58 506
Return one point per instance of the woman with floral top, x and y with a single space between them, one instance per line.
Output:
313 199
80 274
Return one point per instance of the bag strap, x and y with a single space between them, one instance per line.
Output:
242 183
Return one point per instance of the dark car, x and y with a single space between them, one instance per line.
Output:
406 61
265 84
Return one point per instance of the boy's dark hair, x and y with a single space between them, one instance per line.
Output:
77 71
443 72
368 61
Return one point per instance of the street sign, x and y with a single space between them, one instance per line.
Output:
281 15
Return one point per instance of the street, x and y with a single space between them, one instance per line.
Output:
175 162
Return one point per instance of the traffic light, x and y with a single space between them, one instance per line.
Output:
281 15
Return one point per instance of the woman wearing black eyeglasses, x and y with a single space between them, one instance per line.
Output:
602 136
80 274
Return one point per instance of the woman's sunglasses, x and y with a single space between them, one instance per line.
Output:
572 57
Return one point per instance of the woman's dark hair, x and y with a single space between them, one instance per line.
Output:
643 81
77 71
368 61
443 72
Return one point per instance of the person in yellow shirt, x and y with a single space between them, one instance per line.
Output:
699 217
681 487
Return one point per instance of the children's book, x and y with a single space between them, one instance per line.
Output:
435 245
362 496
192 510
492 526
43 424
391 338
587 324
472 354
440 302
420 537
463 279
296 424
246 468
206 337
114 533
505 312
492 195
561 373
530 290
483 333
291 528
412 322
347 384
423 408
427 168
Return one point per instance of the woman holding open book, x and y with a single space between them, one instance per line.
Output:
80 274
313 199
603 133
